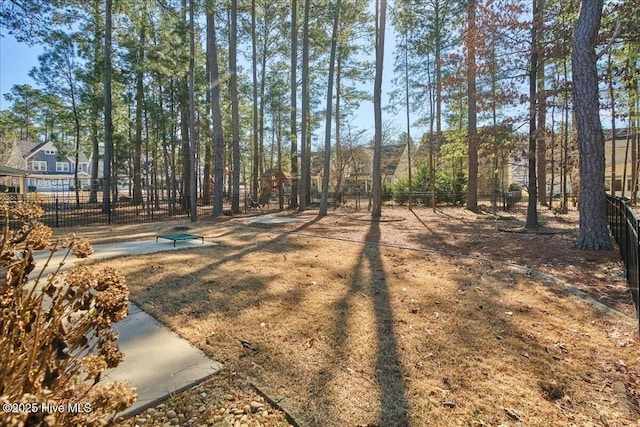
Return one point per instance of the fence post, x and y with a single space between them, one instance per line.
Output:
57 214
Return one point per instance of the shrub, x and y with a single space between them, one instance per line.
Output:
514 186
56 335
387 192
513 196
401 192
448 190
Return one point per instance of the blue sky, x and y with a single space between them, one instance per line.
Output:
16 60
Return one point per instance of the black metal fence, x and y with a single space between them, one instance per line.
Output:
62 209
65 211
624 226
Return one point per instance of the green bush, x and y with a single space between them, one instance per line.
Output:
514 195
400 192
448 190
56 335
387 192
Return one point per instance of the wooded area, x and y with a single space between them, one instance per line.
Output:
197 99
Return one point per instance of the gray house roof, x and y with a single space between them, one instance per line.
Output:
27 148
9 171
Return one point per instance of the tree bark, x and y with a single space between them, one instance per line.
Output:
108 119
294 113
472 188
304 183
612 190
193 181
255 158
184 121
541 134
235 116
532 206
376 188
593 232
216 116
327 130
137 145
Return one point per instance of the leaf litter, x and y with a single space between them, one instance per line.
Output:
371 341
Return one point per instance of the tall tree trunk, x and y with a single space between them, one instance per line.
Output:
438 64
407 106
565 137
216 114
339 165
137 145
208 146
294 113
327 129
593 232
235 117
255 158
184 122
263 70
496 149
541 134
206 164
108 119
632 136
376 189
532 207
165 146
304 184
278 126
613 127
552 184
471 40
193 182
95 109
76 123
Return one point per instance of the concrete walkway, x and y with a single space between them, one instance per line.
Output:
157 361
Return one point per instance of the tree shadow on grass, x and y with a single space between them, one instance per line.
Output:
393 400
368 278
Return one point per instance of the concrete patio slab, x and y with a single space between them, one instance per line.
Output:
157 361
112 250
271 220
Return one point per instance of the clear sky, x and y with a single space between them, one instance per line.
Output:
16 60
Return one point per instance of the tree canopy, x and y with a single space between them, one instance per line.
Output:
462 74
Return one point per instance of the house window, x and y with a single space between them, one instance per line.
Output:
82 167
62 166
52 152
39 166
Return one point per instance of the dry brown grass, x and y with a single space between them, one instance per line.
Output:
419 321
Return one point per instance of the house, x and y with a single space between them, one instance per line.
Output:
48 170
357 168
625 142
12 180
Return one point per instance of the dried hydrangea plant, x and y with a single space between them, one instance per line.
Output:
56 334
